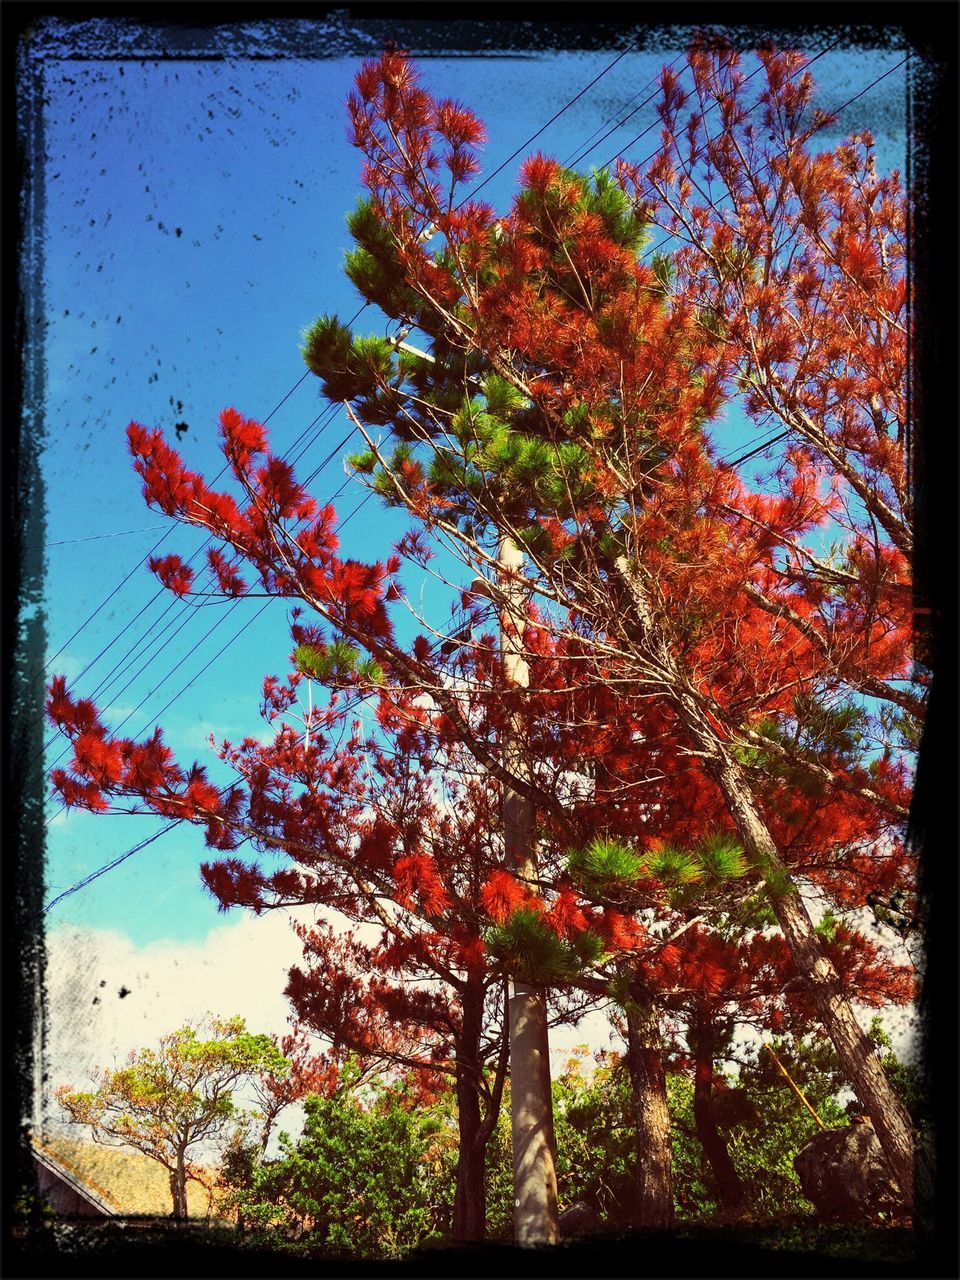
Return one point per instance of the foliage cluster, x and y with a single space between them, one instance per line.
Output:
372 1173
368 1176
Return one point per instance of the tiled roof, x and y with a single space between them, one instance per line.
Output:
97 1198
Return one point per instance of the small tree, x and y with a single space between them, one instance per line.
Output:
362 1178
167 1101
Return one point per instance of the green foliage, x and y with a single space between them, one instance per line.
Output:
760 1117
447 472
525 947
906 729
372 1174
369 671
813 731
366 1177
672 866
361 369
764 1125
605 865
588 948
384 487
326 351
502 397
906 1078
779 882
550 476
622 221
573 192
753 912
31 1214
338 662
596 1160
363 462
374 267
827 926
610 545
594 1138
823 729
401 457
534 539
721 858
689 873
663 269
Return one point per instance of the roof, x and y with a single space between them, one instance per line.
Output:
128 1181
87 1194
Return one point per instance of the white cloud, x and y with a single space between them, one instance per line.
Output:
239 968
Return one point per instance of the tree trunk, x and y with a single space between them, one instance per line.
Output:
729 1186
470 1200
857 1054
644 1059
178 1188
860 1061
536 1218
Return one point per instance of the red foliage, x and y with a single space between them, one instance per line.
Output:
502 894
745 612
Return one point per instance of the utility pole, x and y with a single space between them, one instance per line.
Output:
534 1148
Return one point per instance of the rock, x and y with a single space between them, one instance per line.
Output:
579 1220
844 1173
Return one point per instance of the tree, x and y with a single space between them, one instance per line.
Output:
564 404
397 834
360 1181
597 462
167 1101
299 1071
395 831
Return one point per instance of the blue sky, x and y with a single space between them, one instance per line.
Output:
193 225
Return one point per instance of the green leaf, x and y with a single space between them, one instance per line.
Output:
502 397
721 858
526 947
671 866
827 926
326 349
335 661
604 864
364 462
370 670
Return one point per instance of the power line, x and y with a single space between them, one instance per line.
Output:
156 835
100 606
306 373
317 470
752 453
471 194
643 132
580 153
86 622
109 866
829 118
93 537
176 667
126 659
185 617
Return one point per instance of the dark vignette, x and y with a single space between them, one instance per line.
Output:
23 625
273 31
